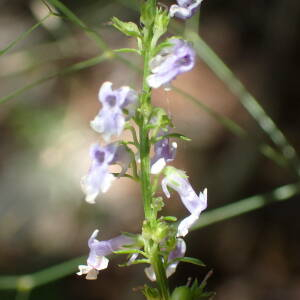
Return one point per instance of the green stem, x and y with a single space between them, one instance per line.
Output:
161 277
144 146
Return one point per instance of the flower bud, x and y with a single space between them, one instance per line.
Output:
182 293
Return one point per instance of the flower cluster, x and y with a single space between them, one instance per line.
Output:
160 244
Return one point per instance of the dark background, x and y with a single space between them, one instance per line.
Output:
45 137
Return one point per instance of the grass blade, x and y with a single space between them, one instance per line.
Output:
23 35
73 68
246 99
246 205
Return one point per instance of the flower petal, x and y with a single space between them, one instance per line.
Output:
150 273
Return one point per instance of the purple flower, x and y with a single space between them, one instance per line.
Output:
110 119
185 8
178 252
177 180
170 62
98 251
99 179
164 152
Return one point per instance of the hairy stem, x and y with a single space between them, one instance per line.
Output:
145 109
161 277
144 147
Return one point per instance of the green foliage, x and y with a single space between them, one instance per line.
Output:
198 292
195 292
151 293
171 135
161 46
169 218
148 12
191 260
182 293
128 28
160 26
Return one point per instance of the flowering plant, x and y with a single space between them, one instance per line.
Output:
160 245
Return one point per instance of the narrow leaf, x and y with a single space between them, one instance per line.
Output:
136 262
73 68
127 50
130 251
23 35
191 260
128 28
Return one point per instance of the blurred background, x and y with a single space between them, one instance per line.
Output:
45 137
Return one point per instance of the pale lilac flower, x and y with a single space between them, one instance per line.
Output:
99 179
178 252
110 120
164 152
97 259
170 62
177 180
185 8
123 158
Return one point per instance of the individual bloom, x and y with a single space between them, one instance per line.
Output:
97 259
170 62
177 180
185 8
109 123
99 179
110 120
178 252
165 152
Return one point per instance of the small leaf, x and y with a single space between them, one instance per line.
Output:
191 260
170 135
151 293
161 46
136 262
128 28
130 251
148 11
179 136
170 218
127 50
161 23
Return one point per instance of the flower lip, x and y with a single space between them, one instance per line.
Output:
100 156
111 100
99 179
